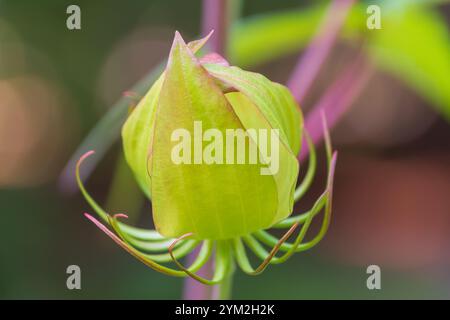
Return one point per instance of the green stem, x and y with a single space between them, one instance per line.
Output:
223 290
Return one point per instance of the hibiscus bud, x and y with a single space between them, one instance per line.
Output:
214 147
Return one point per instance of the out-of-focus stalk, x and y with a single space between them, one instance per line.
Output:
215 17
337 100
223 291
194 290
310 61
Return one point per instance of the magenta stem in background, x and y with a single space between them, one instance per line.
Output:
216 17
194 290
336 100
309 63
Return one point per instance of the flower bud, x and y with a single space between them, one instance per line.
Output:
214 147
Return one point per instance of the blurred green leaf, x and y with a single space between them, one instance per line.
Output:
260 38
414 45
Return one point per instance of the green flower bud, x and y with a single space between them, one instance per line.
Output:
214 147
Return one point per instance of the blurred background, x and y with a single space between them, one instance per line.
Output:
392 186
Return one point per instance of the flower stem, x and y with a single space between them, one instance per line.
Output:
194 290
223 290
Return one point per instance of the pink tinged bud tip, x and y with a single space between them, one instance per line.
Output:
84 157
120 215
215 58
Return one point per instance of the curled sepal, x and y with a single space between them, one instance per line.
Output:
138 233
324 200
302 188
183 247
143 245
198 263
138 255
241 255
310 172
243 261
222 262
148 240
297 246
